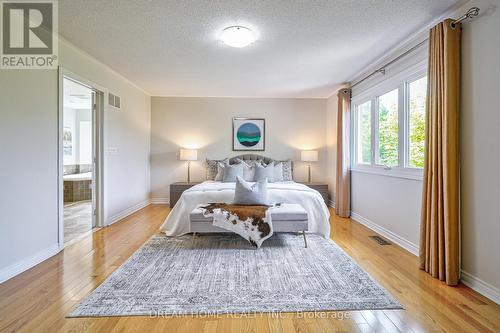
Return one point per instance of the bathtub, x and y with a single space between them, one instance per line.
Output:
77 187
78 177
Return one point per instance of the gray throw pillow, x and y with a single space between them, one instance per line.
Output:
250 194
278 172
287 169
220 170
263 172
213 168
231 172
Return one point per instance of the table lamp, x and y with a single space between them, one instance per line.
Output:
309 156
188 155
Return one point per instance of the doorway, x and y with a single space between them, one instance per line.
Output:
79 161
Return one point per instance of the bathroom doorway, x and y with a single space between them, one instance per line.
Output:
79 154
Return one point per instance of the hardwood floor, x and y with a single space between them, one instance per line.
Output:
38 299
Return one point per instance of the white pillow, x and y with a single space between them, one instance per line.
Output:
250 194
287 170
278 172
249 168
248 172
231 172
262 172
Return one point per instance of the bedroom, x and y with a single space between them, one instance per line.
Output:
172 93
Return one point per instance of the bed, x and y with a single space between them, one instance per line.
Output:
177 222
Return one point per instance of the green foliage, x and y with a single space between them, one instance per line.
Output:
417 131
388 135
366 135
388 130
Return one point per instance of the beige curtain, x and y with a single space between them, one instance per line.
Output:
440 225
343 185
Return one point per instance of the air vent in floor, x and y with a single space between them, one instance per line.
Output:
380 240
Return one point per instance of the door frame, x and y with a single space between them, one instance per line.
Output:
98 146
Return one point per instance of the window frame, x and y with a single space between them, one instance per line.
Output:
376 142
417 76
356 131
400 81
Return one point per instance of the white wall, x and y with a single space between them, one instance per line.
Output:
480 167
387 204
28 159
69 121
85 142
28 156
392 205
76 120
126 173
206 124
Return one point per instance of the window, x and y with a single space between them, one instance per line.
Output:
417 92
389 125
365 133
388 129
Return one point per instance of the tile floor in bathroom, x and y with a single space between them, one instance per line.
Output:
77 220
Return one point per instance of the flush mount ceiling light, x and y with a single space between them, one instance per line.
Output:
237 36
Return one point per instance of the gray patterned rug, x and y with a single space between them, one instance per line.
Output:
225 274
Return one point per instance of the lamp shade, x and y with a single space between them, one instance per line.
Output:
188 155
309 156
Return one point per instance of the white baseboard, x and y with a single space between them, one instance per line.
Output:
484 288
157 201
25 264
123 214
404 243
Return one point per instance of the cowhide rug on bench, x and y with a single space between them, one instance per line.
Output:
252 222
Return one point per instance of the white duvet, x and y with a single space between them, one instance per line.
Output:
177 222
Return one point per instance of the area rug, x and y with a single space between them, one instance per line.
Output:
223 273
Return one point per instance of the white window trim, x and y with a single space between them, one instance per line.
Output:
355 130
405 173
398 81
375 130
416 76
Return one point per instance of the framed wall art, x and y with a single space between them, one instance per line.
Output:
249 134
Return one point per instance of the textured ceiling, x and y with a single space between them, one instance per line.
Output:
305 48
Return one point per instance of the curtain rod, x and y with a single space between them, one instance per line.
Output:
472 12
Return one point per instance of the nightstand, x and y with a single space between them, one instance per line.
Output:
322 188
176 190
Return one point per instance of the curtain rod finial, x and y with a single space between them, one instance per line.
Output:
472 12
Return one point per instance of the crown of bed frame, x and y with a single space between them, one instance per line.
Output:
252 157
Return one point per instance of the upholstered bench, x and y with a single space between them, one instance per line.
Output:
285 218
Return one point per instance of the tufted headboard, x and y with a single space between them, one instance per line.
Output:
251 157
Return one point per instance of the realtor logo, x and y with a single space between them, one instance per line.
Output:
28 34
